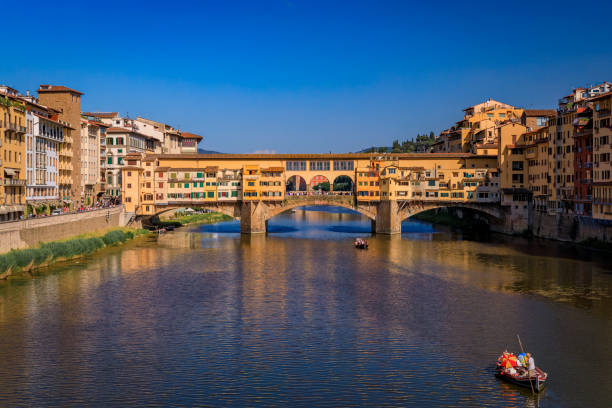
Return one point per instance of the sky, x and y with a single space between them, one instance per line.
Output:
293 76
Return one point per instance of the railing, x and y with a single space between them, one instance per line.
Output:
14 182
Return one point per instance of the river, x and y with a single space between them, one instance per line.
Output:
205 316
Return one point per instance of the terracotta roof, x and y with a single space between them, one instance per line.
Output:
56 88
211 168
133 154
603 95
106 115
311 156
162 169
54 121
540 112
118 130
132 168
187 135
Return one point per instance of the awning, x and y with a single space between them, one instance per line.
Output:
10 172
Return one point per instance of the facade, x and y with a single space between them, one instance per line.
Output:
67 102
154 183
475 133
91 133
189 142
602 150
12 155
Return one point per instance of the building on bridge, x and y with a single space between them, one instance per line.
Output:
234 184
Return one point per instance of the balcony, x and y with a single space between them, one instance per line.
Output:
20 129
14 182
603 113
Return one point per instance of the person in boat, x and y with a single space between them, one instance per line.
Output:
530 365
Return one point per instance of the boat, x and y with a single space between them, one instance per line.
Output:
518 375
361 243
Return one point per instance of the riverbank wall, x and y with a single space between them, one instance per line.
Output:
559 227
570 228
32 232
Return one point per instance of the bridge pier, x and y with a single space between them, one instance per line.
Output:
253 216
388 220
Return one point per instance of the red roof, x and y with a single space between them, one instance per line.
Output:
106 115
57 88
187 135
118 130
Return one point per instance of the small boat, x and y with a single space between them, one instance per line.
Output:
518 375
169 227
361 243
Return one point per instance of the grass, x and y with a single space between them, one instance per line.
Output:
49 252
206 218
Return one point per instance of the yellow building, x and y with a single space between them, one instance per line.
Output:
602 152
168 181
251 189
12 156
536 160
272 183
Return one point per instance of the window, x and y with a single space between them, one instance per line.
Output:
344 165
172 175
319 165
161 185
211 194
295 165
186 185
234 193
109 160
186 175
199 175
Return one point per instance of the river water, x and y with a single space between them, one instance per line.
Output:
205 316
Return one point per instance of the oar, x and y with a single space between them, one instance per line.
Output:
530 383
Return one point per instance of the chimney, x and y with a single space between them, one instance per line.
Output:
28 93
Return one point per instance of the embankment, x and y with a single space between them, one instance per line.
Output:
17 261
32 232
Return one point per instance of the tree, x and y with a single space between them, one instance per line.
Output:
324 186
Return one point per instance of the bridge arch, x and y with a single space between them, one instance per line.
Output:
323 200
319 183
295 183
343 183
229 209
490 211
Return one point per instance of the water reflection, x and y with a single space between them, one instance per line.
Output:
210 317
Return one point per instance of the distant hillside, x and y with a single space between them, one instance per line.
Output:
202 151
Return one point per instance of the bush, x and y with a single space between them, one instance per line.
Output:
114 237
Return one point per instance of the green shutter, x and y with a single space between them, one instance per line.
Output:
172 175
201 184
186 175
186 185
211 194
199 175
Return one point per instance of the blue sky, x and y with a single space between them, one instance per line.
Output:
306 76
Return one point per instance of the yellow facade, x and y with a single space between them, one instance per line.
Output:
12 158
173 180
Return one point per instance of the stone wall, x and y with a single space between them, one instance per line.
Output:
569 228
29 233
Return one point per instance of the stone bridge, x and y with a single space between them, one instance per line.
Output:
386 216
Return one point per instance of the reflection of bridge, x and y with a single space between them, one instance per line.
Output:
386 216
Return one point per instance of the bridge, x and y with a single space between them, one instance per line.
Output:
386 216
254 188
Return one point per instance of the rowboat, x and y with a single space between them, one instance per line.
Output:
519 376
361 243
